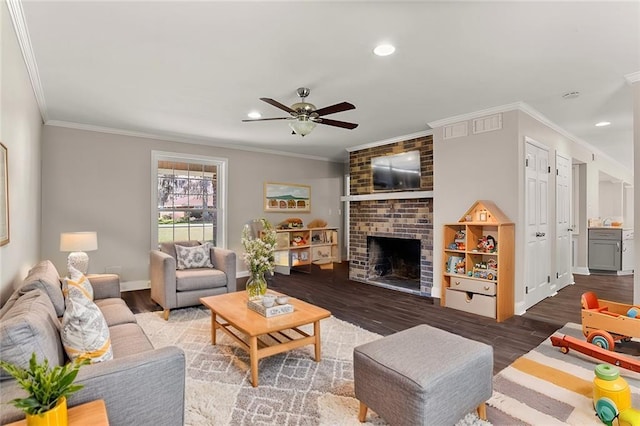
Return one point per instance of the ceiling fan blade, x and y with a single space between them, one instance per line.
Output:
268 119
337 123
278 105
342 106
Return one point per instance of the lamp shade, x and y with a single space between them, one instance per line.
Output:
78 241
302 127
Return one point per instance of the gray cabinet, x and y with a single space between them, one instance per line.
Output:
605 249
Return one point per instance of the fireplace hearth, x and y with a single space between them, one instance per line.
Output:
394 262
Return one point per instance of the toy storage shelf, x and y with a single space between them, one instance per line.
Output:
477 277
299 248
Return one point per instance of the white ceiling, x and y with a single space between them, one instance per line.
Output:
194 69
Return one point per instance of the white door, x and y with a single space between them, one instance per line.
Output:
538 255
563 222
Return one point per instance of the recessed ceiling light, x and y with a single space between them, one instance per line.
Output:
571 95
254 114
384 49
603 124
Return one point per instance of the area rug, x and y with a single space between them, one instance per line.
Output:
547 387
293 389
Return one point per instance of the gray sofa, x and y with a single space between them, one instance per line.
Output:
141 385
178 288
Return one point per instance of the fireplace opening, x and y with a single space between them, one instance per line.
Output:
394 262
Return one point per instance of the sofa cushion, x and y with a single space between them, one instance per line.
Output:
31 325
194 257
77 285
44 276
128 339
199 279
115 312
170 248
85 333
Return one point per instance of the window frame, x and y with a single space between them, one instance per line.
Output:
221 208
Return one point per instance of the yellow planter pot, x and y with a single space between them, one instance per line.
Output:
57 416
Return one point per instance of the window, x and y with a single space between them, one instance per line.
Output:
189 198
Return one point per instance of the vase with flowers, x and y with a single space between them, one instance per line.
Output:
259 257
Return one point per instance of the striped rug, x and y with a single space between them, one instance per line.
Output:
547 387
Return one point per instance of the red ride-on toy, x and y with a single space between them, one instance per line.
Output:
604 322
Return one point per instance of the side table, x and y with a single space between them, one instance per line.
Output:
92 413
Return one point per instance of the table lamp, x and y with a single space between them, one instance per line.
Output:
78 243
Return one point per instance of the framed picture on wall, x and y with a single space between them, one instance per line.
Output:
286 197
4 196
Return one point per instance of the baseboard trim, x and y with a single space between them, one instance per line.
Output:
134 285
581 270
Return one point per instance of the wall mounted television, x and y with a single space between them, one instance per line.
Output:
398 172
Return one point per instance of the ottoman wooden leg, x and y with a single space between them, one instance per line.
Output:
362 415
482 411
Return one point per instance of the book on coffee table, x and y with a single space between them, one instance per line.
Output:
271 311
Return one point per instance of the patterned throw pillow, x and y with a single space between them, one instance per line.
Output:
84 331
77 284
194 257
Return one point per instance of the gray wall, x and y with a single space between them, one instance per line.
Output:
95 181
20 126
491 166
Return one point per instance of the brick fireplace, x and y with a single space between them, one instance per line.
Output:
389 215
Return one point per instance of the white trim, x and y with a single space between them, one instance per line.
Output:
634 77
402 195
135 285
581 270
477 114
527 109
222 164
180 139
22 33
390 141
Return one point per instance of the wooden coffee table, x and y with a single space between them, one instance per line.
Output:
232 310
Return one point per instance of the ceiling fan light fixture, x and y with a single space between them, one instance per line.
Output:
254 114
302 126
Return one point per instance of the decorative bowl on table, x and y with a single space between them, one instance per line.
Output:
268 300
282 299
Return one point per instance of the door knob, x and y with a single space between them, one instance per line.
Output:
540 234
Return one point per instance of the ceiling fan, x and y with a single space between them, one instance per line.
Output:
304 116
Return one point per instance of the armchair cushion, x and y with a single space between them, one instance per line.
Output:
170 247
200 279
194 257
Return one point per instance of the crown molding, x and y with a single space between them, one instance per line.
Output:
180 139
634 77
529 110
22 34
392 140
472 115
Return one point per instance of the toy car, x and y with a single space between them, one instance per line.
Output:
604 322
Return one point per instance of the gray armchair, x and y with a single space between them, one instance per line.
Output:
177 288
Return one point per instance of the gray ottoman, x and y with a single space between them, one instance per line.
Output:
423 376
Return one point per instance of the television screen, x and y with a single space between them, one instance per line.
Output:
398 172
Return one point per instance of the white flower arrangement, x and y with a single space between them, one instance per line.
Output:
258 252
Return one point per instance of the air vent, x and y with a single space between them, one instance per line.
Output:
455 130
487 124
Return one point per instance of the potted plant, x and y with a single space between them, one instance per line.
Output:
48 389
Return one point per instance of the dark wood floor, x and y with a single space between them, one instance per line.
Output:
387 311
